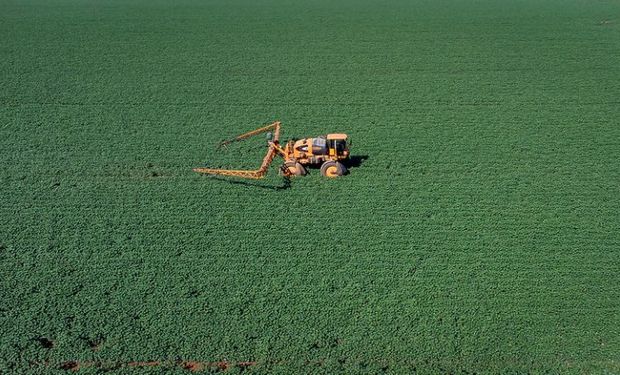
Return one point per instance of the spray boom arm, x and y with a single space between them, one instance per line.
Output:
274 149
276 136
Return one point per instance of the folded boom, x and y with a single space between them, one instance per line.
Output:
262 170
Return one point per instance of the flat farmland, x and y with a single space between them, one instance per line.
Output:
479 232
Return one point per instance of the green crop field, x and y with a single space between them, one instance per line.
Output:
478 233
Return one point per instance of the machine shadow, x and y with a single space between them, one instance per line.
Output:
286 183
355 161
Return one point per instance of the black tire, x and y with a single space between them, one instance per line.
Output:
294 169
332 169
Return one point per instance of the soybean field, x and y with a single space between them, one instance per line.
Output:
478 230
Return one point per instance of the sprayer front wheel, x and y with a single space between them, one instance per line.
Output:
293 168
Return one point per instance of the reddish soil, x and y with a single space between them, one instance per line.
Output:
193 366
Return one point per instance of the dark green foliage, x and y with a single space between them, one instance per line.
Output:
480 234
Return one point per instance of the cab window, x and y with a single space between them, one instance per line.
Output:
341 145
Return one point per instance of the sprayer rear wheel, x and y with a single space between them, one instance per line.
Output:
332 169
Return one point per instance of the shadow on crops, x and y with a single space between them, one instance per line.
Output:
286 183
355 161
